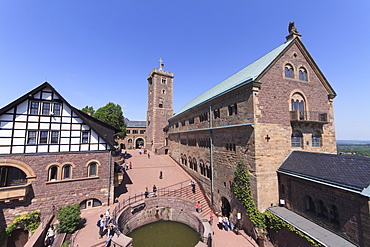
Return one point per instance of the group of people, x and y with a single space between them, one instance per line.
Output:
146 193
125 166
225 223
106 227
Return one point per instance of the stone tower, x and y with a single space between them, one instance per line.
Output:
160 91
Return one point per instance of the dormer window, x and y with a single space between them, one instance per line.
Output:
302 74
289 72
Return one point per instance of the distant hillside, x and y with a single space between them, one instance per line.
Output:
354 148
352 142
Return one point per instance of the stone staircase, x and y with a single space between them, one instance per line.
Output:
185 191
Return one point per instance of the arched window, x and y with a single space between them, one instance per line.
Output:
316 140
195 166
190 162
310 205
202 170
289 72
129 141
10 176
298 104
93 168
297 138
67 170
185 160
53 173
302 74
323 212
334 215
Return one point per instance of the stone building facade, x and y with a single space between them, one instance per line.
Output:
331 190
279 103
136 135
160 94
52 154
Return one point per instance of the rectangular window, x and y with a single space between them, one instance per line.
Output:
31 137
191 120
45 108
163 81
57 109
142 131
34 110
54 137
128 131
85 137
135 131
43 137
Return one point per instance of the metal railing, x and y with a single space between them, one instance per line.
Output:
308 116
181 189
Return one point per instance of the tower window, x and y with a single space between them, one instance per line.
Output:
164 81
316 140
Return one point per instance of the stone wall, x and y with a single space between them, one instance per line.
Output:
166 208
44 193
353 209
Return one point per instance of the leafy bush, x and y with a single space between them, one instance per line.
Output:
66 243
69 218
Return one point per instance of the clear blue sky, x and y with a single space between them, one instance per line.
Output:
95 52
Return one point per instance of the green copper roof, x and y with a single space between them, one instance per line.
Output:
245 75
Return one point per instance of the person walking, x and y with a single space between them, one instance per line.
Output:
148 155
197 207
160 175
192 184
101 225
220 222
130 165
50 236
211 218
110 234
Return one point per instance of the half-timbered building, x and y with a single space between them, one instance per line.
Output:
52 154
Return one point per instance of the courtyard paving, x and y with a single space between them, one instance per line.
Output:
145 173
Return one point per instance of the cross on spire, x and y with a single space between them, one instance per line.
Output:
161 64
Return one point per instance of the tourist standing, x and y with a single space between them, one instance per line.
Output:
210 218
130 165
192 184
220 222
146 193
160 175
101 225
110 234
154 190
148 155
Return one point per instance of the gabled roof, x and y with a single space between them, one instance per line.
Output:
135 124
253 72
104 130
347 172
245 75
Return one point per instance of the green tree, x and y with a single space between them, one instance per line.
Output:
88 110
69 218
112 114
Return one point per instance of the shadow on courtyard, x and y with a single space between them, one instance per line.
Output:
122 188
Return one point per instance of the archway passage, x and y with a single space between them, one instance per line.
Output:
18 237
225 207
122 146
139 142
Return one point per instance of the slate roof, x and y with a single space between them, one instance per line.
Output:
245 75
135 124
349 172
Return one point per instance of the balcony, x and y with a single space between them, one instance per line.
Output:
18 192
309 117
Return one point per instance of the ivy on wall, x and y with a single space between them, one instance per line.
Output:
29 221
263 221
